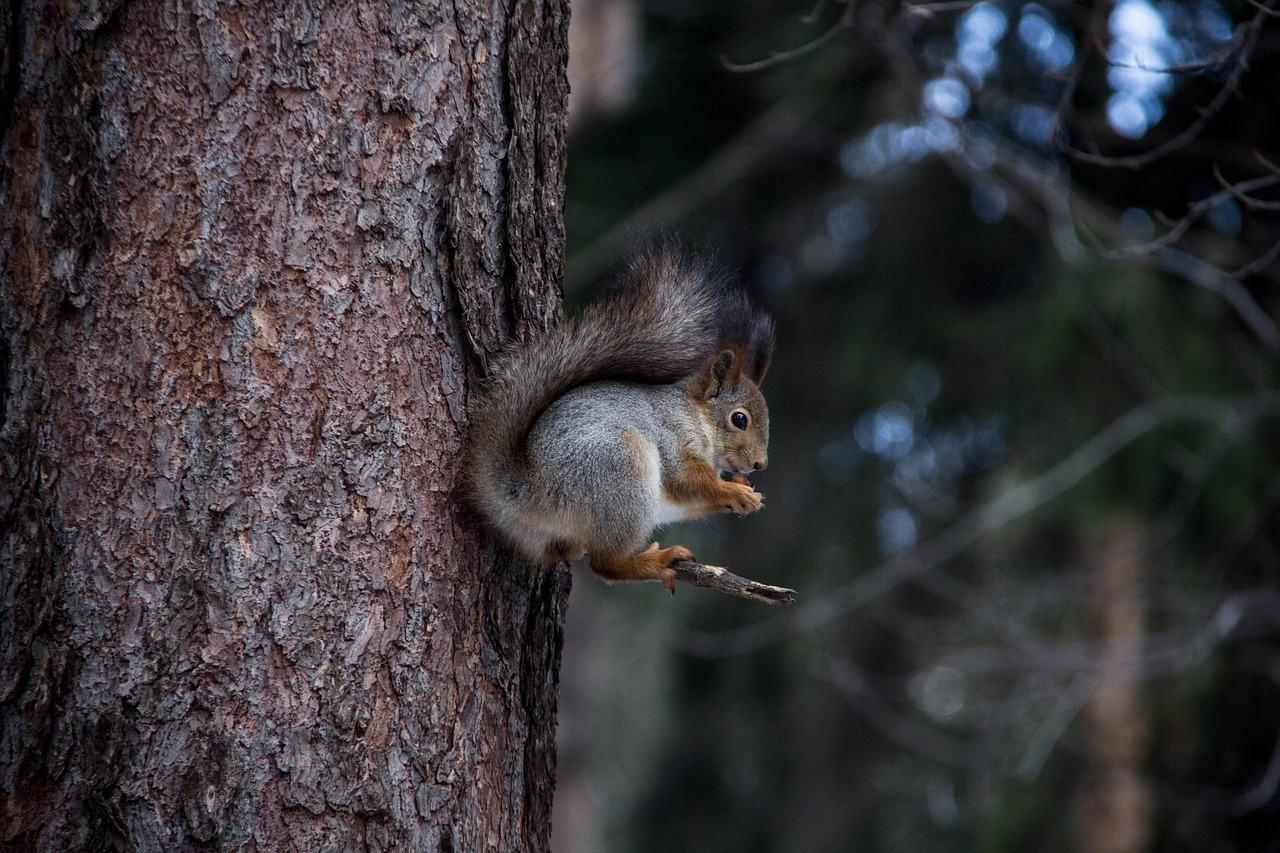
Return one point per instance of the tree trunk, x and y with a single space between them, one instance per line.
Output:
1113 805
252 256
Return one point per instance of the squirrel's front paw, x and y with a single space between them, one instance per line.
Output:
743 499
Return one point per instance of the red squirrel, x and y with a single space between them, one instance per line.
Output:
589 436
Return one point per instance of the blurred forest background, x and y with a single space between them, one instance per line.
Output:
1025 262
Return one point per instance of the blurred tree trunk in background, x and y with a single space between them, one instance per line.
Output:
605 64
1113 806
249 258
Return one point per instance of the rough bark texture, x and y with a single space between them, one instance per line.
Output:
252 254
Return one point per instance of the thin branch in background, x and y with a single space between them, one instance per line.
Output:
1258 795
1052 727
1215 61
1196 211
1231 802
1259 264
1265 9
1247 527
1211 278
1042 667
927 10
1242 195
815 13
843 24
1195 476
1054 135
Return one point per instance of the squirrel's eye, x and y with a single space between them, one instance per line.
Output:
738 419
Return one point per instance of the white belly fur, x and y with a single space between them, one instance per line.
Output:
669 512
664 511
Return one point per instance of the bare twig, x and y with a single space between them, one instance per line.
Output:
1262 262
814 14
723 580
1241 194
1195 211
1266 10
1247 526
1215 60
928 10
1214 280
1097 20
778 57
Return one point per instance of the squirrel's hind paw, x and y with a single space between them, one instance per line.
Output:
651 564
668 557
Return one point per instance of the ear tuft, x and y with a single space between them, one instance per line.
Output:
759 349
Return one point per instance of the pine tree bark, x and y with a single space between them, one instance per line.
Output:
252 259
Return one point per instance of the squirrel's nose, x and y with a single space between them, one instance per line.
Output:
760 464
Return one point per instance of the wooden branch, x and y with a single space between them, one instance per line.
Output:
723 580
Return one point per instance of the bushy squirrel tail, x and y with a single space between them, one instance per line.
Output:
666 317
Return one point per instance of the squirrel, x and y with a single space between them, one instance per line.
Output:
589 436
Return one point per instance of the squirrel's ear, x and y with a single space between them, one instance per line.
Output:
759 349
719 375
